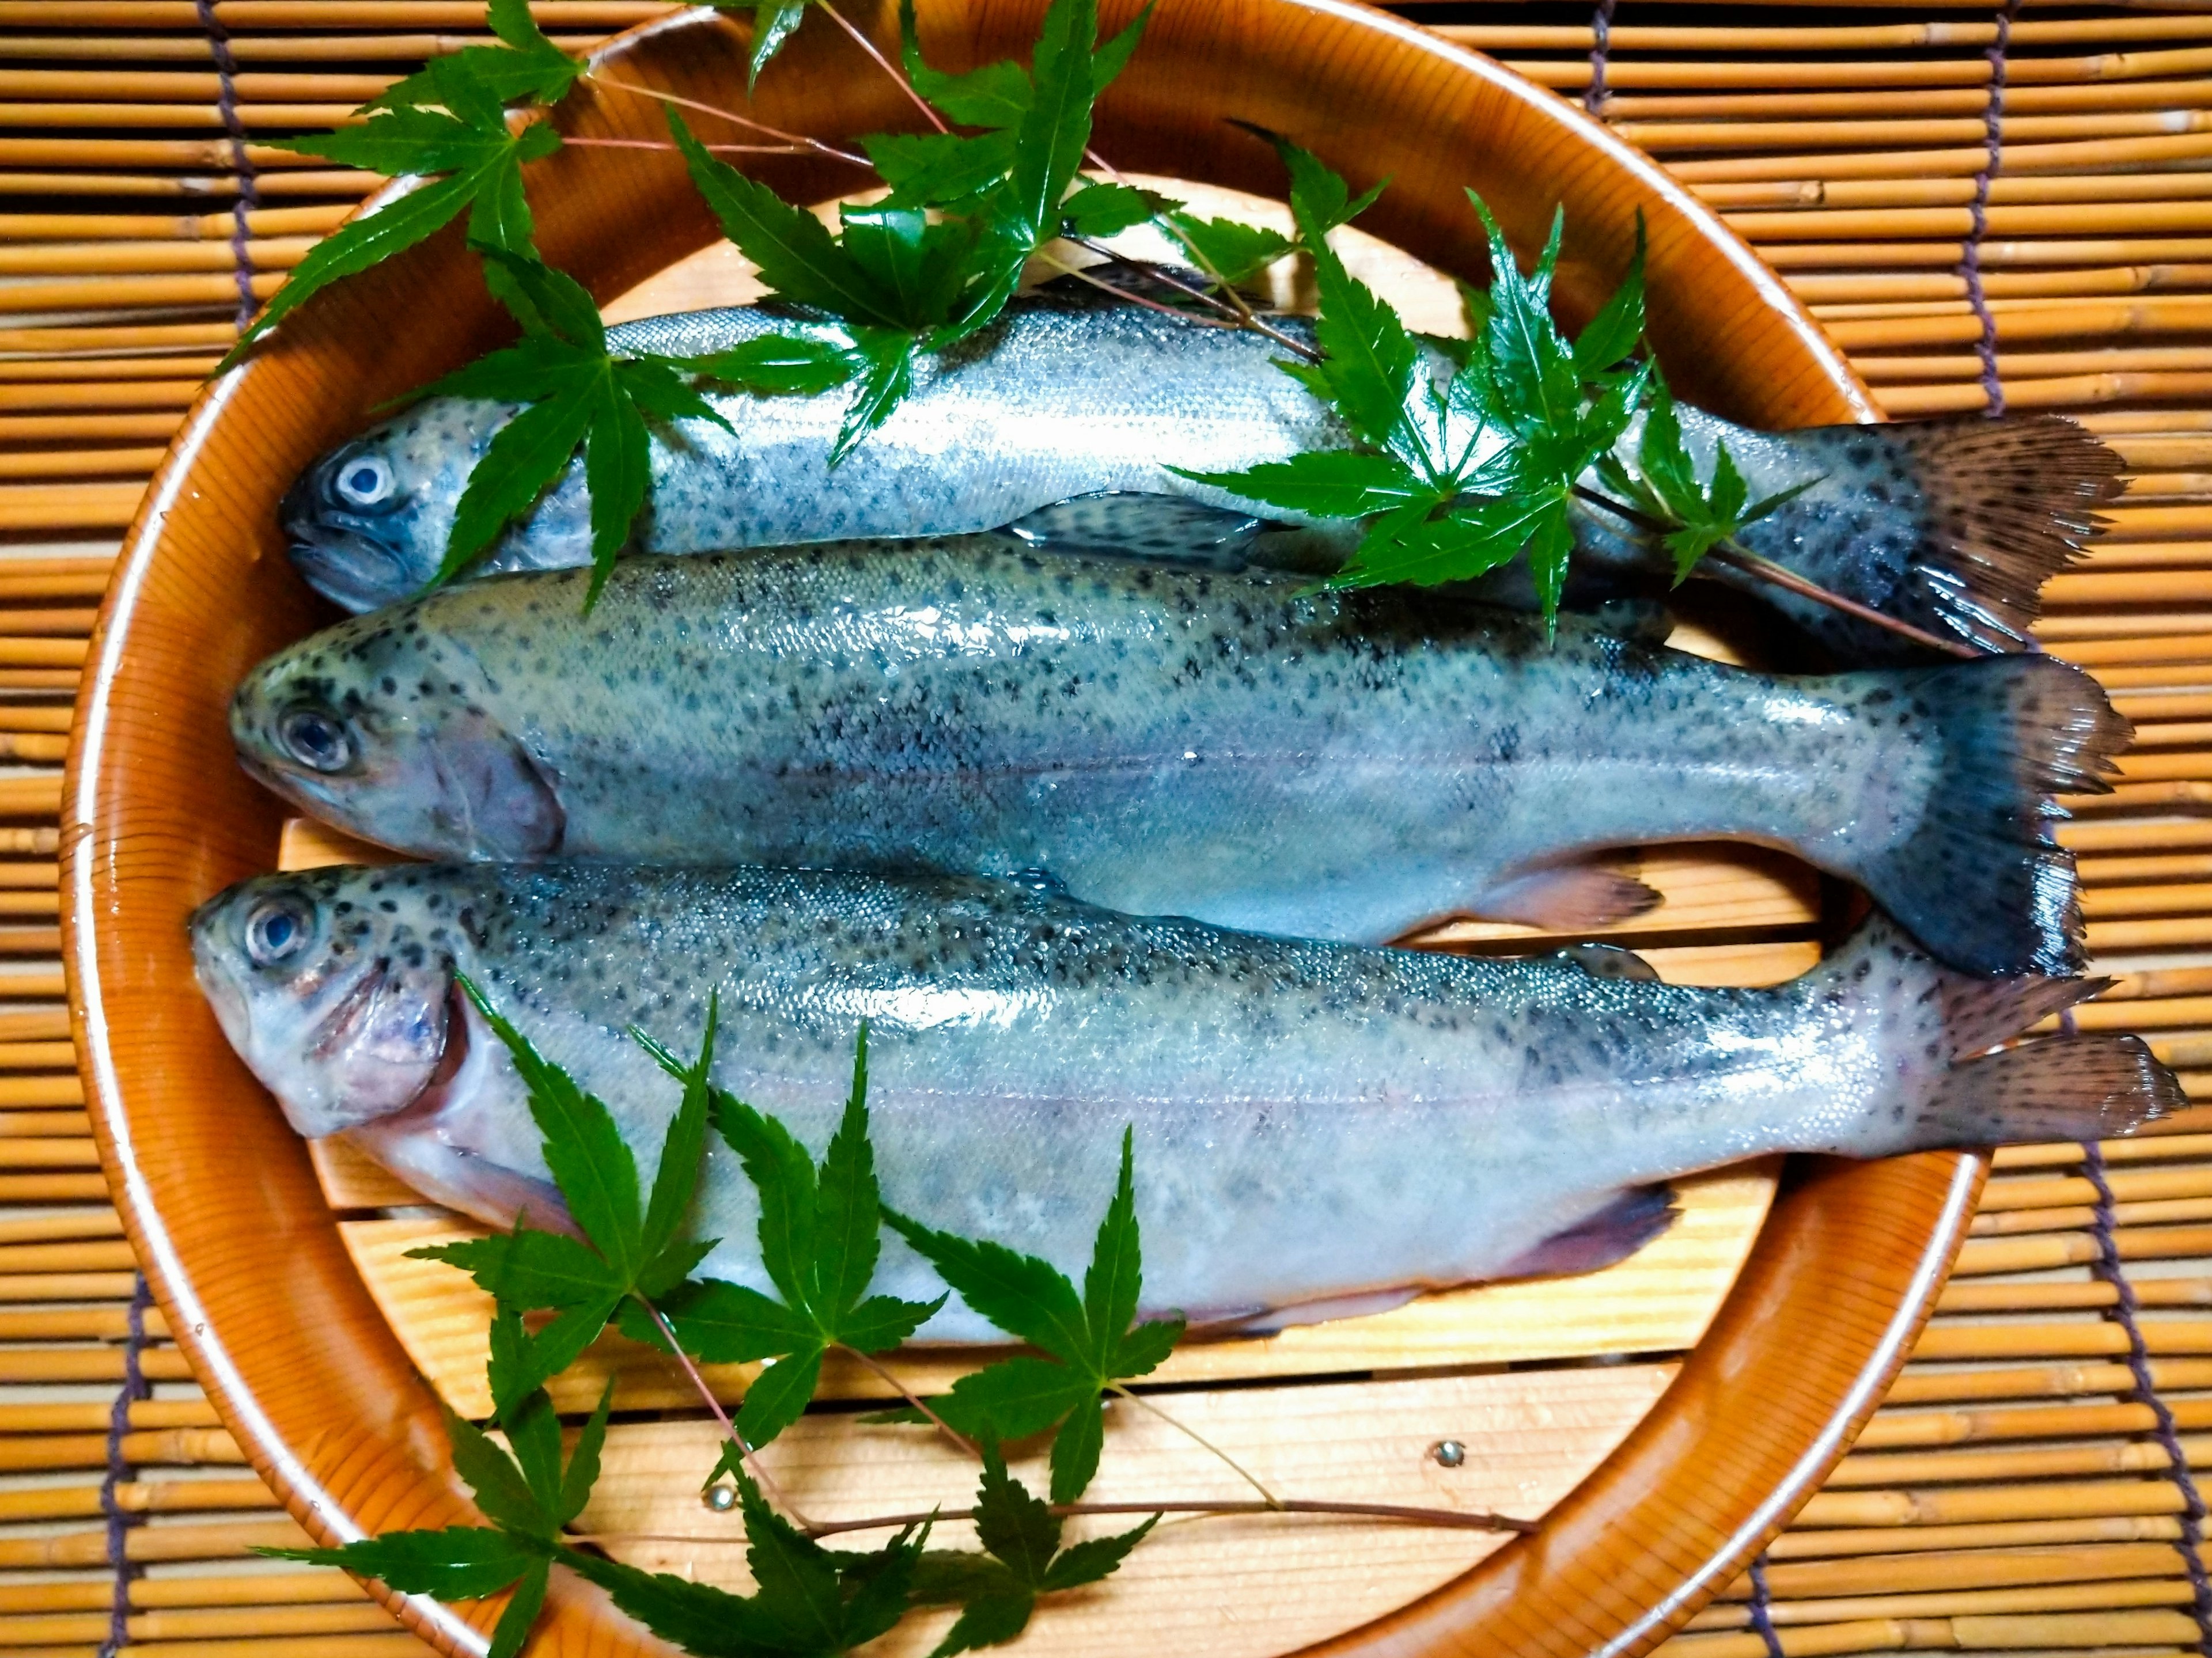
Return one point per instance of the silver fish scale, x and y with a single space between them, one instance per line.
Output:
1334 765
989 433
1310 1121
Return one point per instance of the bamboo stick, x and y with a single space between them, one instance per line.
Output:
62 507
2005 190
2185 899
2016 366
2030 1255
1859 1471
138 259
199 366
1645 37
250 1589
2126 1185
1900 97
118 292
32 429
1895 256
2040 1633
1661 137
90 1364
603 14
1893 1430
2152 1212
2070 219
248 86
213 154
252 49
2022 74
102 393
1964 161
223 1540
93 1256
35 717
200 1626
2086 837
2154 555
95 1416
1922 1387
175 1447
1813 286
2099 588
56 342
137 1496
1799 1544
2106 318
103 1223
2087 1340
186 226
76 1323
53 1188
2173 1591
2027 1501
255 116
32 1125
329 181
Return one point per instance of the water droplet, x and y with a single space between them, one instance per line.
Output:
720 1499
1448 1452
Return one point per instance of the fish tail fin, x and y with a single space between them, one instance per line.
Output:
1972 1092
1951 525
2051 1088
1979 881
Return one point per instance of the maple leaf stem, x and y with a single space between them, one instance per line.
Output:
885 64
1228 302
1741 559
1083 275
751 1458
815 145
716 149
1189 1432
968 1447
1450 1519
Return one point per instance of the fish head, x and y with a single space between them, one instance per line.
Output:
336 986
381 726
369 521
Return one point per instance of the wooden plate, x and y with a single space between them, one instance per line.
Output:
220 1197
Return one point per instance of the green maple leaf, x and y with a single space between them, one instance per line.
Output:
1023 1560
820 1238
1091 1342
577 393
464 137
525 1491
810 1602
630 1251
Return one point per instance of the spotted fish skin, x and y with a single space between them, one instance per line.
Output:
1950 525
1236 747
1313 1123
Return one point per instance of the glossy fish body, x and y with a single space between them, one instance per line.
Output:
1316 1126
1234 748
1063 418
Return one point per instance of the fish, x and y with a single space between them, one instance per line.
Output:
1318 1129
1056 427
1342 765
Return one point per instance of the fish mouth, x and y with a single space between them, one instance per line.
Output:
340 559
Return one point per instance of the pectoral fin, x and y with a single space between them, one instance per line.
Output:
1566 897
1615 1233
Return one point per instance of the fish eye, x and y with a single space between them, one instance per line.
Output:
277 929
365 480
317 740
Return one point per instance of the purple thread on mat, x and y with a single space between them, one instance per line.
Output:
119 1523
1762 1615
1970 265
1601 44
2123 1312
249 195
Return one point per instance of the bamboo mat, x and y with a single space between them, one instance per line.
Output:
2029 1488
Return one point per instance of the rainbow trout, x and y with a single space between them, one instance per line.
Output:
1060 419
1320 1128
1233 748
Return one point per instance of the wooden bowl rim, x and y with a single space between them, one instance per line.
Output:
1531 1595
